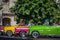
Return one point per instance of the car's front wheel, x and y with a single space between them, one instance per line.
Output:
22 34
9 33
35 34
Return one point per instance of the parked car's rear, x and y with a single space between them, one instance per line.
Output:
22 31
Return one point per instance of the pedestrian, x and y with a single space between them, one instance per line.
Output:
21 23
31 23
46 22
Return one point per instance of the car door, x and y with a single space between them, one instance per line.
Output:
50 30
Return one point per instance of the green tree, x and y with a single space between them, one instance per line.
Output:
36 10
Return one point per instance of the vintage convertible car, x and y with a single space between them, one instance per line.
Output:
9 30
22 31
36 31
1 30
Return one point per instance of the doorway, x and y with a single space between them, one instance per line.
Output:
6 21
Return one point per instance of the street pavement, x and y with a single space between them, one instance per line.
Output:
28 38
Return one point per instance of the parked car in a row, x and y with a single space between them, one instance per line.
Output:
34 31
22 31
1 30
11 30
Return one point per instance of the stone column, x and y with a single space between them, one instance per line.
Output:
12 21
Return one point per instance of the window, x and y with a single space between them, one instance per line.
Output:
6 1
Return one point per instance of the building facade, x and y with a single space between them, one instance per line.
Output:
0 12
8 18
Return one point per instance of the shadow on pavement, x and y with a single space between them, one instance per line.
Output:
19 38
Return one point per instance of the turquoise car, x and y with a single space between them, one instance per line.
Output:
36 31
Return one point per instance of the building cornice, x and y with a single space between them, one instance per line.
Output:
8 14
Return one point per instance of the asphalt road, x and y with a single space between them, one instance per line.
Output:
26 38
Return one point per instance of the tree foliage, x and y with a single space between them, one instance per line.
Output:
36 10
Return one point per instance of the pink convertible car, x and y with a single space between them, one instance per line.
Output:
22 31
1 30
